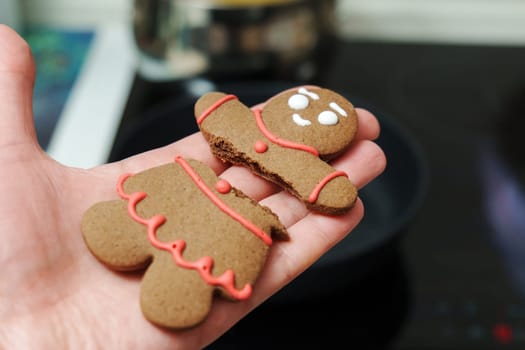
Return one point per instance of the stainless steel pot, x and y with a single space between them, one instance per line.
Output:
177 39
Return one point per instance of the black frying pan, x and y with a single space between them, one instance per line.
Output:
390 201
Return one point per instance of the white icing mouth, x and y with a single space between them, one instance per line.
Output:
300 121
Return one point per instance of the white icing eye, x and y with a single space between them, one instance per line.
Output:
298 102
327 118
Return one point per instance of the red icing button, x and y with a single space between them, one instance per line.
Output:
223 186
261 147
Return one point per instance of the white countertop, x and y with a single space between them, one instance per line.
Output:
87 126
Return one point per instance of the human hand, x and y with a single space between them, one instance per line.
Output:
55 294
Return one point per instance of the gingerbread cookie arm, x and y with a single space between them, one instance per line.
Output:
114 238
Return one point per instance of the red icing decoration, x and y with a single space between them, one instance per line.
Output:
319 187
277 140
203 265
223 186
260 147
214 106
221 205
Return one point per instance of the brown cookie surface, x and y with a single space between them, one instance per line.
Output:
197 236
287 142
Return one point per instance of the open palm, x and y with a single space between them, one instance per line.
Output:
54 293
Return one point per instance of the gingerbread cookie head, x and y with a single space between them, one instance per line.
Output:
317 117
196 235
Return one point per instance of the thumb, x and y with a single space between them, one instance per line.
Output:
17 76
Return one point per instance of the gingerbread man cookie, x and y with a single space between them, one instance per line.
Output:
196 235
288 142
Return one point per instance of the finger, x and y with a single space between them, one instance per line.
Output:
368 126
310 238
362 162
17 74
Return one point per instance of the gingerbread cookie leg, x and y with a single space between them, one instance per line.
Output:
174 297
288 142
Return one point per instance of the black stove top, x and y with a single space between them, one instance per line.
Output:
464 250
454 280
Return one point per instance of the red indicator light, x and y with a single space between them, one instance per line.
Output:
502 332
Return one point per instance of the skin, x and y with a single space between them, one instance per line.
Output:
54 294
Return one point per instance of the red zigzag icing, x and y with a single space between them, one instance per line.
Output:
203 265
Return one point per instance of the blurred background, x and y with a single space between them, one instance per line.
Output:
438 262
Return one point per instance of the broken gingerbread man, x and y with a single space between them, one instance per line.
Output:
288 142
